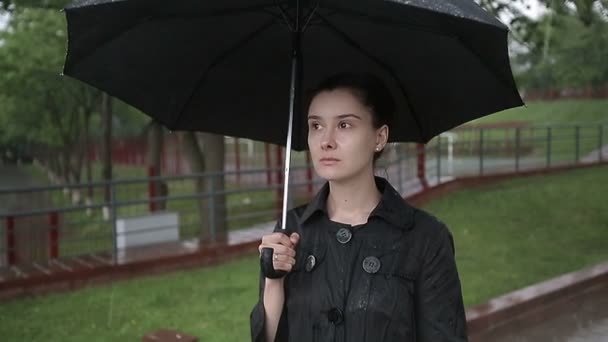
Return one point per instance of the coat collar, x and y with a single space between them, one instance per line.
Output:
392 207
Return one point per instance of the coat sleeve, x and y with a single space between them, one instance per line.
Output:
440 314
257 318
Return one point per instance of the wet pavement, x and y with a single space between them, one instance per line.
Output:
583 319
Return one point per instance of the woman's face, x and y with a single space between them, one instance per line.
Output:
341 137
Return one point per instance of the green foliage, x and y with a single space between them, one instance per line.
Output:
38 104
581 56
565 48
46 4
42 105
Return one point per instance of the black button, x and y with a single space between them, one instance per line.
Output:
371 264
311 261
335 316
344 235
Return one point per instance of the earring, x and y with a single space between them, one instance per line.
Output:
377 149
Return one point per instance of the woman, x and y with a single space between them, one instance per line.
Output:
362 265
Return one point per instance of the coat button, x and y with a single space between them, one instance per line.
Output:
344 235
335 316
311 261
371 264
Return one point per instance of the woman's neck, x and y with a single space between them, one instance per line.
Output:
352 201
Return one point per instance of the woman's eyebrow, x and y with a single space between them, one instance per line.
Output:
344 116
341 116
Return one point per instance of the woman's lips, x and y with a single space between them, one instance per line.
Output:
329 161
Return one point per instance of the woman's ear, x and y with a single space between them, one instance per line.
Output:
382 136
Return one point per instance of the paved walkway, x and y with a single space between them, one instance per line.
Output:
585 320
594 156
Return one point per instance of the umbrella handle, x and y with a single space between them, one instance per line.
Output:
267 266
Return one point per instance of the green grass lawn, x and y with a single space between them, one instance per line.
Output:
507 236
562 117
554 112
519 232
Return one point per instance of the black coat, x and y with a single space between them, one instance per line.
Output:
391 279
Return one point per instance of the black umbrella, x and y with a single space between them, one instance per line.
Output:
240 67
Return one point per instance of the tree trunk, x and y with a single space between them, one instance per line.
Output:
212 209
65 174
154 150
87 162
53 161
106 148
197 166
214 161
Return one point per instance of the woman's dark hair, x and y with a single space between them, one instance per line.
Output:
367 88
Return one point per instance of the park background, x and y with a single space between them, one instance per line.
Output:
75 160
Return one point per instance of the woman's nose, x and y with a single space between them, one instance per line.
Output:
328 142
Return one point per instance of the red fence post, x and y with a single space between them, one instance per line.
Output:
11 247
151 188
421 163
53 235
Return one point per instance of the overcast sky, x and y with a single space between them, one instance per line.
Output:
3 19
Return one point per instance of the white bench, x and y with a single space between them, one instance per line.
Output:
146 230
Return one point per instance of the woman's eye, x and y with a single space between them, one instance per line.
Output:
315 126
343 125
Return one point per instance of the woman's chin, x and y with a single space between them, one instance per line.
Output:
332 174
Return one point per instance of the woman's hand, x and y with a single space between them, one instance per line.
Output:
284 249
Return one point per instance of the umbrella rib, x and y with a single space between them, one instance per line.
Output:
217 61
383 65
309 16
503 80
285 17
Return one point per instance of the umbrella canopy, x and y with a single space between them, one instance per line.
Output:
225 66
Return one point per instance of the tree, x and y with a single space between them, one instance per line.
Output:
205 152
45 107
10 5
566 47
587 11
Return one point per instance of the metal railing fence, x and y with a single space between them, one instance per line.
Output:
49 222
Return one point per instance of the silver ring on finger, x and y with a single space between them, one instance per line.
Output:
276 257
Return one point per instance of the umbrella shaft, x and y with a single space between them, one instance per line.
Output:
292 102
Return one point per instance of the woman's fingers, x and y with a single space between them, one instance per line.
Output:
283 262
294 238
283 247
280 249
279 242
277 238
